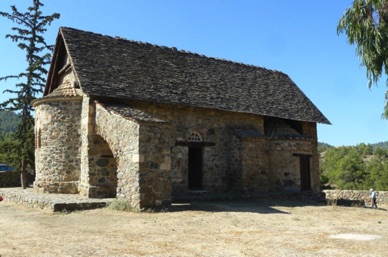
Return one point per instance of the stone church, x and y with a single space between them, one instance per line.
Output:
126 119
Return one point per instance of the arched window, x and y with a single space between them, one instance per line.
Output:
195 137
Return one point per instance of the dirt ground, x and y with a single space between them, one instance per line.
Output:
246 228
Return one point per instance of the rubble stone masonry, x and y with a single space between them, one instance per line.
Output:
84 147
355 195
58 141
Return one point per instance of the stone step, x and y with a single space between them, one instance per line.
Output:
53 202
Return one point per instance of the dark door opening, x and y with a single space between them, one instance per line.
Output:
195 168
305 177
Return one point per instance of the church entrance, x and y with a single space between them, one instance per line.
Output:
195 168
305 176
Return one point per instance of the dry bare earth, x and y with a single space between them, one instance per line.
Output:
248 228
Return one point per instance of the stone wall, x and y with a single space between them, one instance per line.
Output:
102 169
57 153
142 151
88 148
248 162
255 165
98 166
155 167
234 163
122 137
310 131
179 168
223 160
87 127
284 161
355 195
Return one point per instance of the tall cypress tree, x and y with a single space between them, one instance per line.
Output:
29 38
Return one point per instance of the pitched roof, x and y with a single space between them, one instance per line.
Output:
131 113
120 68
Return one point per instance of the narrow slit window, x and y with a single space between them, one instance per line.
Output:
38 139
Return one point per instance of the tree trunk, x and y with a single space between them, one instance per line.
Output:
23 175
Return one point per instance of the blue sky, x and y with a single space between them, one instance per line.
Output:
296 37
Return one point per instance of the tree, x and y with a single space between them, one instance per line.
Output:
352 171
366 25
29 36
344 168
354 167
322 147
8 155
377 170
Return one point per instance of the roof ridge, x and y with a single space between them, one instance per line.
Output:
183 51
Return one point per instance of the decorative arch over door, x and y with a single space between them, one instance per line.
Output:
195 137
195 160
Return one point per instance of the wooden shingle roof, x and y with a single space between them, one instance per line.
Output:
118 68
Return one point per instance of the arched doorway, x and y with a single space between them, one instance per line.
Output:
103 170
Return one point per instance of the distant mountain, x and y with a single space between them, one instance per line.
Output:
8 121
382 145
322 147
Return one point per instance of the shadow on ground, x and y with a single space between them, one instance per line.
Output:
262 206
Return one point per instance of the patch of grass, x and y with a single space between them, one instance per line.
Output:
119 205
331 202
123 205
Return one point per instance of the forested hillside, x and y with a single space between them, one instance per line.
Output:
8 125
322 147
8 121
383 145
355 167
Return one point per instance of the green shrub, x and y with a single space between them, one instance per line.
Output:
119 205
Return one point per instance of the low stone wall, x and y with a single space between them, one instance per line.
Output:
356 196
10 179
